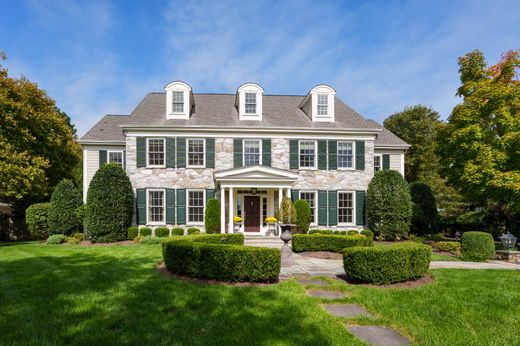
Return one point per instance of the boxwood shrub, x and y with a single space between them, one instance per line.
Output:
145 231
212 216
477 246
177 231
448 246
61 217
321 231
206 256
193 230
149 240
340 232
162 232
352 232
325 242
368 233
36 220
387 264
56 239
133 232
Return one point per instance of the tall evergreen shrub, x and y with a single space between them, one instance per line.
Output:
36 220
303 216
62 218
212 216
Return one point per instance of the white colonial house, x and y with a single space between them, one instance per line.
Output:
247 149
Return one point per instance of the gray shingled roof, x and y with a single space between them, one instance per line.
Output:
218 110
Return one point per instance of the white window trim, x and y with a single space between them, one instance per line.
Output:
315 192
353 223
155 223
244 150
115 152
188 222
353 168
188 154
148 165
315 154
380 162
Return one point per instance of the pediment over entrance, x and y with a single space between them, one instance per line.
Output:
256 174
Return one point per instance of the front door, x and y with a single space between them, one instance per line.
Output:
252 213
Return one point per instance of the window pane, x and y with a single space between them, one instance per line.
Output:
251 152
310 197
178 101
377 163
196 206
307 153
345 207
323 99
345 154
156 152
116 157
156 206
322 110
250 104
195 152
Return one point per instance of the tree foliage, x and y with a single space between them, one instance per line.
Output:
37 142
479 145
389 205
212 216
425 217
303 216
62 217
110 204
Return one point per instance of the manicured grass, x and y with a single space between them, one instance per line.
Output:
114 295
443 257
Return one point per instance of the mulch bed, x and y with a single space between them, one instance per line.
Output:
161 267
323 255
424 280
89 243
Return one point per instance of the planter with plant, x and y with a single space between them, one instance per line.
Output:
237 223
271 224
287 217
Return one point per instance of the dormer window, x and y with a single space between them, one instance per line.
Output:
179 100
323 103
249 101
319 104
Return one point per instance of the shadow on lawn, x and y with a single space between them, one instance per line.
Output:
89 298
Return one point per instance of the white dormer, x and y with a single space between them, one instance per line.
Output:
179 100
319 103
249 101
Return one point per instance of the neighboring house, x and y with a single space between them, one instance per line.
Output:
247 149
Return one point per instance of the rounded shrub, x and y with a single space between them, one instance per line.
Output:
162 232
149 240
62 218
448 246
193 230
325 242
425 218
73 240
56 239
303 216
177 231
340 232
145 231
110 204
477 246
216 259
212 216
387 264
79 236
389 205
368 233
352 232
36 220
133 232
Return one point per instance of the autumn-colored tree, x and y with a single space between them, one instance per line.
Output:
38 145
479 145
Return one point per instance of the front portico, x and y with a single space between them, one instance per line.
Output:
253 193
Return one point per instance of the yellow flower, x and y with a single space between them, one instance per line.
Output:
237 219
270 219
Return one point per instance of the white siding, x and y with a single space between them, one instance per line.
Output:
92 165
395 162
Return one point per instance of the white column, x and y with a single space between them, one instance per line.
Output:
280 194
222 210
231 204
289 192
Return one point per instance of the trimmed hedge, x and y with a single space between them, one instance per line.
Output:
65 199
212 216
206 256
387 264
177 231
448 246
352 232
321 231
339 232
477 246
145 231
193 230
149 240
56 239
368 233
36 220
162 232
324 242
133 232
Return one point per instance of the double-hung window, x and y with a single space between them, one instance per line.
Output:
323 104
250 105
116 157
196 206
345 207
377 163
310 197
195 152
307 154
177 101
252 152
345 154
155 151
156 206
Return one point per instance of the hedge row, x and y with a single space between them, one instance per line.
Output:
325 242
210 257
387 264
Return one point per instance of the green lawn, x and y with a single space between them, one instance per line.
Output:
114 295
443 257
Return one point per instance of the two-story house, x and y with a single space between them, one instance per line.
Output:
248 150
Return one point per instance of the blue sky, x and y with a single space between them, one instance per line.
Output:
96 58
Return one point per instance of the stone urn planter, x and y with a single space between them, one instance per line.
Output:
237 224
286 233
286 215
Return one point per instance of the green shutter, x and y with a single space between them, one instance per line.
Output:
237 152
386 161
141 152
170 152
141 206
124 160
181 207
360 208
360 155
322 154
266 152
333 208
333 155
322 208
210 194
181 152
295 195
170 206
210 152
293 154
102 157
